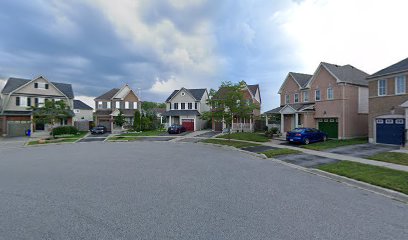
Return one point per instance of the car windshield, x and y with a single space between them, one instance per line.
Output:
298 130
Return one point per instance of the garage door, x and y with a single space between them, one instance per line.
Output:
390 131
188 124
330 126
105 123
17 128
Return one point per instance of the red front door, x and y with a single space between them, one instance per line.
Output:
188 124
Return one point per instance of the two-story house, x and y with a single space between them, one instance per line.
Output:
113 102
83 115
388 103
250 93
334 99
18 95
185 106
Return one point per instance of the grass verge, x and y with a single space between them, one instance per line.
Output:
335 143
59 139
231 143
146 133
253 137
380 176
282 151
124 138
391 157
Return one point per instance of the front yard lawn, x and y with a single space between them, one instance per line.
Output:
231 143
253 137
282 151
145 133
59 139
77 136
124 138
380 176
335 143
391 157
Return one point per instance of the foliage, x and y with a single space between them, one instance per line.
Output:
228 102
137 121
119 120
335 143
269 133
231 143
380 176
277 152
253 137
149 106
61 130
391 157
51 112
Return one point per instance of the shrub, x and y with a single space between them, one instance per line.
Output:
271 132
62 130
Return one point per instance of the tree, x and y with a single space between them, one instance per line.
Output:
150 106
51 113
137 121
228 102
119 120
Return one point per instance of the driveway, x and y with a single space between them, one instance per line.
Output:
164 190
95 138
363 150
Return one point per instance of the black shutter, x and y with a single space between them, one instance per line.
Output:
17 101
35 85
36 102
29 101
46 86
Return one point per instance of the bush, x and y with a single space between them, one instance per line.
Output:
62 130
271 132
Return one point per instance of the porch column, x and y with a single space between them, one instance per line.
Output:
266 119
250 123
169 121
282 123
296 120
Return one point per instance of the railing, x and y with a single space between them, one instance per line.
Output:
246 127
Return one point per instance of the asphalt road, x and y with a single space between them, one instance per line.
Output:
164 190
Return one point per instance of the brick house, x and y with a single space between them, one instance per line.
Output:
333 99
114 101
388 104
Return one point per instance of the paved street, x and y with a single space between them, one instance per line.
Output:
165 190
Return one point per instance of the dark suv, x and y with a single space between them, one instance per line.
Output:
99 130
175 128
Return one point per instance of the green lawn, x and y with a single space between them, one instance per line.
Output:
231 143
282 151
60 139
334 143
124 138
391 157
380 176
77 136
253 137
145 133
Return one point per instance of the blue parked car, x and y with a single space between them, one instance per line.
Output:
305 135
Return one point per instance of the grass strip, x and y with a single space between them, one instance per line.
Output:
335 143
231 143
391 157
277 152
253 137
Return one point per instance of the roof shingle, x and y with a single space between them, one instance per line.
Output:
78 104
196 93
398 67
347 73
108 95
14 83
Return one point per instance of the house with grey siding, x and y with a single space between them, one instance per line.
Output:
185 106
19 94
83 115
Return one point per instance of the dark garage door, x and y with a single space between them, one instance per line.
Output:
188 124
330 126
390 131
105 123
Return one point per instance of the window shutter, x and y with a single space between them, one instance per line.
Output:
17 101
35 85
29 101
46 86
36 102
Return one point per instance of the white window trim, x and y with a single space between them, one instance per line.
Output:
23 102
332 93
385 87
294 96
108 105
396 84
303 96
320 95
134 105
100 104
117 105
41 101
127 105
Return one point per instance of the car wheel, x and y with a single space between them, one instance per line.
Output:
324 138
306 141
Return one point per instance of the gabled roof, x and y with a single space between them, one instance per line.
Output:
14 83
108 95
78 104
401 66
346 73
297 107
197 94
253 88
301 78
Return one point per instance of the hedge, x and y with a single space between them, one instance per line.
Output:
62 130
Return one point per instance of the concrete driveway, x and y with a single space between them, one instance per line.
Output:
164 190
95 138
363 150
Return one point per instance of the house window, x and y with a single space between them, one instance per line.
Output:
117 105
100 105
126 105
196 106
317 95
108 105
190 105
183 106
287 99
400 85
296 97
41 102
183 94
330 93
305 96
41 85
389 121
76 111
176 106
382 87
134 105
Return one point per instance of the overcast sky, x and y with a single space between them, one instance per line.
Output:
159 45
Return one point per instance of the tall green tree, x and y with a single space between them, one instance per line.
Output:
119 120
51 113
229 102
137 121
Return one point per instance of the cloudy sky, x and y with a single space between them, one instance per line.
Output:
159 45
